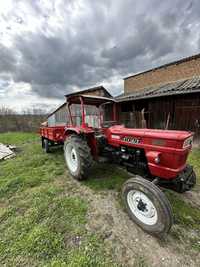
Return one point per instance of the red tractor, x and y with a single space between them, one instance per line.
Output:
157 157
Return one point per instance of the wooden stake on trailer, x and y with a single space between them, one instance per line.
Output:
167 123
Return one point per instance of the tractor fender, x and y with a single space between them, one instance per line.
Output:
92 143
69 131
78 130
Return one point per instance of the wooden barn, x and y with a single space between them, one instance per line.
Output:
168 96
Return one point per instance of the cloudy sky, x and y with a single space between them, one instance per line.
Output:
50 48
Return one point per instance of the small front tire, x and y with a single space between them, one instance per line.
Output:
147 206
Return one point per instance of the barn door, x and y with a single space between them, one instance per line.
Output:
187 118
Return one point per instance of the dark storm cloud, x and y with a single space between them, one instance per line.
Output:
106 39
147 40
7 60
51 64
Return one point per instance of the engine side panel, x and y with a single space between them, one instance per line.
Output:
167 146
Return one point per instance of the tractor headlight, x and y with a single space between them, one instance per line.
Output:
188 142
157 160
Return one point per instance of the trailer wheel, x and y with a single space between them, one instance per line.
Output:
147 206
77 156
46 145
42 140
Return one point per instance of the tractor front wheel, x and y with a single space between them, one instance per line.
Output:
77 156
147 206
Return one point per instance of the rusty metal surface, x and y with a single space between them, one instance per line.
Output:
174 88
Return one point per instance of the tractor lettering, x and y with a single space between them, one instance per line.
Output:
114 136
131 139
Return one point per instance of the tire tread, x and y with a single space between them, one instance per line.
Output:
164 202
84 152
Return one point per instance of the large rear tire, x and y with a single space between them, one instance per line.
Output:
77 156
147 206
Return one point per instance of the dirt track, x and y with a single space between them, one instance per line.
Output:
127 242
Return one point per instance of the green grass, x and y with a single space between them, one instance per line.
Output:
17 138
187 216
186 222
194 160
30 168
39 224
106 176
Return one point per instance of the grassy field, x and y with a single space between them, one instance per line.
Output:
42 226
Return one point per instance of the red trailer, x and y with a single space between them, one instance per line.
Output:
51 136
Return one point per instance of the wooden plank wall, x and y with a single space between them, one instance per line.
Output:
158 112
187 114
183 112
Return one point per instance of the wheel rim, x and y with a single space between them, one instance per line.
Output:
142 207
71 158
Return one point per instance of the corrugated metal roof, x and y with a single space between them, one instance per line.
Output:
174 88
90 90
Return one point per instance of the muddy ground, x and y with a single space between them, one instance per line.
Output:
128 244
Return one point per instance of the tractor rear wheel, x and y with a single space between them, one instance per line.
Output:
77 156
147 206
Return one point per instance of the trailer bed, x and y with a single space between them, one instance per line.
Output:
54 133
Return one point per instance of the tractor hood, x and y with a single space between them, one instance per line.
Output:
165 151
120 130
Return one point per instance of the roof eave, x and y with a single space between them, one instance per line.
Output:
89 90
157 96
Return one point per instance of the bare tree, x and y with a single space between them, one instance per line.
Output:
28 120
